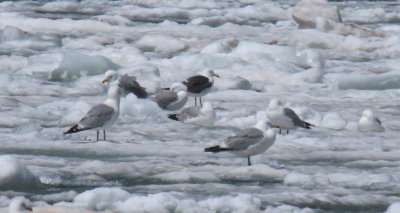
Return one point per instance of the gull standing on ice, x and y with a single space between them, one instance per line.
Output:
204 116
369 123
284 118
127 83
173 99
101 116
248 142
199 85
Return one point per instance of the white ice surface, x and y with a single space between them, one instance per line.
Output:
327 74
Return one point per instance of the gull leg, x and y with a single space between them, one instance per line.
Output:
200 102
248 161
97 135
195 101
287 131
104 132
280 131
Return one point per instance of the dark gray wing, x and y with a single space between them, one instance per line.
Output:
197 83
165 98
189 112
244 139
293 116
129 84
97 116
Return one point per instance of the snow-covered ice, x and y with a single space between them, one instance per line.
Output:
342 59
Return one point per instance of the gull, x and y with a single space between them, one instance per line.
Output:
173 99
248 142
369 123
204 116
127 83
284 118
101 116
199 85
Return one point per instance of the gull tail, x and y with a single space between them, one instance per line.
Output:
216 149
307 125
74 129
173 117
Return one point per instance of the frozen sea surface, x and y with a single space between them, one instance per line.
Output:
53 54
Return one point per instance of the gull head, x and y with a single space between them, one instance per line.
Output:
274 103
20 205
367 113
210 73
263 125
266 127
110 76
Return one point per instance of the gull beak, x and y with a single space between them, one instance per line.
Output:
216 75
29 208
104 81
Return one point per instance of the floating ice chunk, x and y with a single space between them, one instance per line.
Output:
9 121
333 120
162 44
12 63
155 13
100 198
28 127
198 62
298 179
288 208
255 14
359 180
306 12
60 6
240 203
393 208
75 65
145 70
114 20
232 83
11 33
305 58
327 25
161 202
221 46
313 75
58 197
14 175
390 80
64 113
310 38
366 16
187 176
256 172
369 123
132 106
262 12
